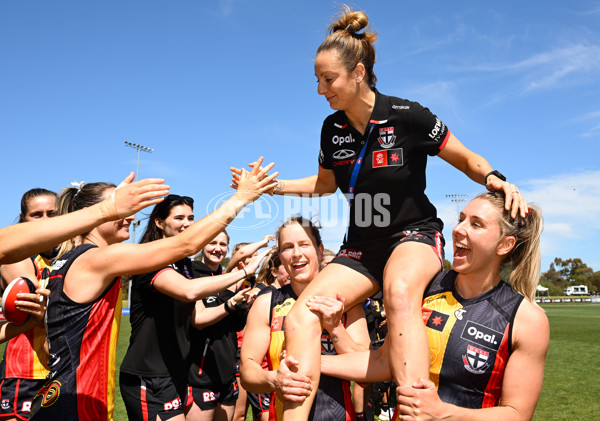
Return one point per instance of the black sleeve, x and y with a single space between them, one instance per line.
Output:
428 130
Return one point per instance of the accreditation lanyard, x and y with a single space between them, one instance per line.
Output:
355 171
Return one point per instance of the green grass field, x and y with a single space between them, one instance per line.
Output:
571 381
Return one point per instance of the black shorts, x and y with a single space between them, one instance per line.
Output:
208 398
260 402
16 396
369 257
147 397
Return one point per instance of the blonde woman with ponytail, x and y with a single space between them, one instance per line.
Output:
487 337
374 148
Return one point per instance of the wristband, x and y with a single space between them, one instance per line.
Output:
228 309
276 188
245 273
496 173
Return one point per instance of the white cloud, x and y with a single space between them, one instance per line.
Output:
549 69
570 204
571 207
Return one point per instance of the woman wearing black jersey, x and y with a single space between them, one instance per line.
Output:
83 316
487 338
156 384
213 388
374 149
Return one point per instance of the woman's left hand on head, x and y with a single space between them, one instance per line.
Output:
514 201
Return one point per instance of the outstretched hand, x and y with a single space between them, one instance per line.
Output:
130 197
291 386
250 185
252 266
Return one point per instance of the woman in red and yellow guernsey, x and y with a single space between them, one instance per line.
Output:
23 369
487 337
84 307
300 250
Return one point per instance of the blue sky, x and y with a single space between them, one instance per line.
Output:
213 84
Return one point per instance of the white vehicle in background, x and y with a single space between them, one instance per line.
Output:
576 290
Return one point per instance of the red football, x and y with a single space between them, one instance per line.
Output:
11 313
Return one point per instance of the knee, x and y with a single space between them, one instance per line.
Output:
402 297
301 321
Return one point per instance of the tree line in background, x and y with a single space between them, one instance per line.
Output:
560 275
563 273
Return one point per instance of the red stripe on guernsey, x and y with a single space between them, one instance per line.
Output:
377 122
16 402
190 397
492 391
25 355
350 414
273 408
158 273
144 401
445 140
96 371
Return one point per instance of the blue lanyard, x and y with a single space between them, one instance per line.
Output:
354 175
357 166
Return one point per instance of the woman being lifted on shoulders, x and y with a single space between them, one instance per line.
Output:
374 148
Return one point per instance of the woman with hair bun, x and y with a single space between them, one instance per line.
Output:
487 337
374 148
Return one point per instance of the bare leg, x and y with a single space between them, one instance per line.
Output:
224 412
179 417
303 328
408 272
194 413
241 405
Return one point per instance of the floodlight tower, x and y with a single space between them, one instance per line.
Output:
459 199
136 222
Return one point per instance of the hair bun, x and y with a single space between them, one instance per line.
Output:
350 21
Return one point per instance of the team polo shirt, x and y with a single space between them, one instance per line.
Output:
159 345
389 194
82 340
214 348
469 340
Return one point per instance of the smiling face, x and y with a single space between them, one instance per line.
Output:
40 207
340 87
298 253
215 251
479 245
180 217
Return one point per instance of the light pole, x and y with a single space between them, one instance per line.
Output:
459 199
136 222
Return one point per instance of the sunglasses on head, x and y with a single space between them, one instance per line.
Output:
176 197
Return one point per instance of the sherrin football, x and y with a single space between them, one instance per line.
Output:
11 313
